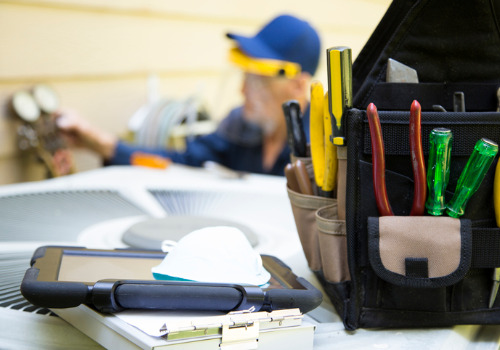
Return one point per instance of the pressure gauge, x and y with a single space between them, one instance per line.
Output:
46 98
25 106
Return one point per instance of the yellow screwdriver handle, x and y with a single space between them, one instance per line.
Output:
339 67
331 164
317 132
496 194
496 205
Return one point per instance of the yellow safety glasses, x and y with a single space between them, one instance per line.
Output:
264 66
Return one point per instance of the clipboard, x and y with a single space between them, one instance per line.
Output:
115 280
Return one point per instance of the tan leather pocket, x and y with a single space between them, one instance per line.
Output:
332 244
304 212
424 251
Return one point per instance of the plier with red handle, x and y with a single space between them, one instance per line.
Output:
417 161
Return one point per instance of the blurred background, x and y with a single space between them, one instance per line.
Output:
107 59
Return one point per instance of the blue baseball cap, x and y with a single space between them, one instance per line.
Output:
284 38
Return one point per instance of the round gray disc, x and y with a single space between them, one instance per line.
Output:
149 234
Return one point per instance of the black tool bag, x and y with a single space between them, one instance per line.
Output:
425 271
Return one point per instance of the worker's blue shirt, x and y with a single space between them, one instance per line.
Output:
236 144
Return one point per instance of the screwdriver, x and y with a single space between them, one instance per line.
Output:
473 174
438 171
339 65
295 131
494 289
496 205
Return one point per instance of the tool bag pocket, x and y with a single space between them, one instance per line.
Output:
304 209
419 251
332 244
426 272
323 239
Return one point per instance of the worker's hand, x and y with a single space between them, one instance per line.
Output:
78 132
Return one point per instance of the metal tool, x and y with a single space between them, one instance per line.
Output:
494 289
438 170
39 132
339 64
458 102
317 132
302 177
296 135
473 174
25 107
498 98
398 72
417 160
439 108
378 161
46 98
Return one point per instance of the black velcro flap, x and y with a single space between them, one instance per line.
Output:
420 251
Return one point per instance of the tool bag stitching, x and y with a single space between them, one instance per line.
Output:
330 224
305 201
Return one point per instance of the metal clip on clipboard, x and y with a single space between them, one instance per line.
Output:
239 329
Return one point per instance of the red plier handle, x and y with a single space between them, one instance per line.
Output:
417 161
378 161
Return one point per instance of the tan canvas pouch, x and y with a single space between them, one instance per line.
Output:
332 244
304 212
420 251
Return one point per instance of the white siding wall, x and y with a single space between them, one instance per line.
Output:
99 54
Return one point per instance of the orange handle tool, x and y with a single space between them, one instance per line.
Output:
378 162
417 161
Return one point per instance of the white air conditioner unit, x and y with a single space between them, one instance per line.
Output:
96 208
